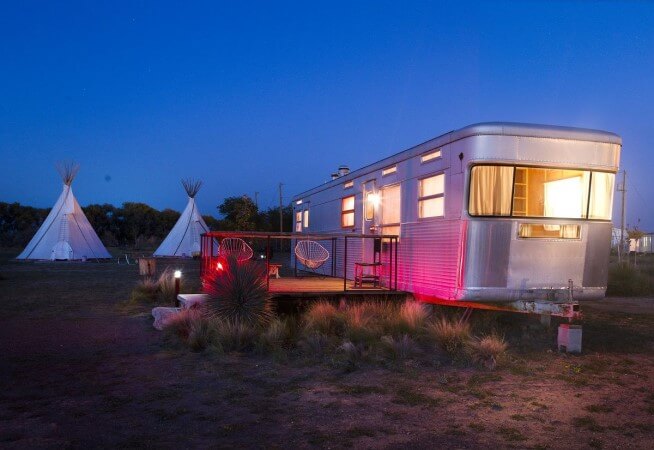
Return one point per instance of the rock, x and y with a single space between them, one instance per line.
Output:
188 301
162 314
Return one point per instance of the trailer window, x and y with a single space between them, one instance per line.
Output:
540 192
490 191
306 218
347 212
430 196
298 221
390 210
601 196
539 230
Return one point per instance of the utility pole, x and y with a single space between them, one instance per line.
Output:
256 199
622 188
281 208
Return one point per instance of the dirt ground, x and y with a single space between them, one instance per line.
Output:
79 370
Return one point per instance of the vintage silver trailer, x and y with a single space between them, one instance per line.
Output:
493 212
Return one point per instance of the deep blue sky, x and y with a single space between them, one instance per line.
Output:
246 95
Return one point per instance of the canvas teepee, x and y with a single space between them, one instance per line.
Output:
66 233
184 239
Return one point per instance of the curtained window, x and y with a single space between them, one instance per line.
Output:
540 192
390 209
490 191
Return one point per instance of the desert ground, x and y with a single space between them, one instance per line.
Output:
81 369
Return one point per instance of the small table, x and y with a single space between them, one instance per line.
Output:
273 270
362 276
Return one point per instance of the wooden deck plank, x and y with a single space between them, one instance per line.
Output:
317 286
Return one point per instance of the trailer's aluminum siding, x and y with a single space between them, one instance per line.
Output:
459 257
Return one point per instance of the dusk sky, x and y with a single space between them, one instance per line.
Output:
247 95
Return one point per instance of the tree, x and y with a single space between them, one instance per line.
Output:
239 213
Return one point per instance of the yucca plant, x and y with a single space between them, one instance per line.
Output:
238 293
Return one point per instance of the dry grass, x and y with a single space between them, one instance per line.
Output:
412 317
451 336
275 337
146 291
487 351
323 317
166 285
181 324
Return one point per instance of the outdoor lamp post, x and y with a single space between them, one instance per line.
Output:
178 278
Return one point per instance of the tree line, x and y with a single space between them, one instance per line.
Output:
138 225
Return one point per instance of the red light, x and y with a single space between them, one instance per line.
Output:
219 266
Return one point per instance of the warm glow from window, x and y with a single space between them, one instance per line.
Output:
348 184
540 192
347 212
537 230
306 218
430 156
389 170
430 196
390 209
564 198
372 202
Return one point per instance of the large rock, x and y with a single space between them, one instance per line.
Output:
188 301
162 314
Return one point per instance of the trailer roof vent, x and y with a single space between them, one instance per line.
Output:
343 170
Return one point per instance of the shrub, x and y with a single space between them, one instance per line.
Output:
201 334
180 324
399 348
413 316
351 356
166 285
314 344
323 317
361 321
488 351
628 281
450 336
146 291
275 336
233 336
238 294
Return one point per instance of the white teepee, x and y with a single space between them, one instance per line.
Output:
66 233
184 239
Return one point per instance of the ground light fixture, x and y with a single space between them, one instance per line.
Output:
178 278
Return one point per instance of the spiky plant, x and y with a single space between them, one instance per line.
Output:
238 293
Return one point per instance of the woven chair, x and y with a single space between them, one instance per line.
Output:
311 254
235 247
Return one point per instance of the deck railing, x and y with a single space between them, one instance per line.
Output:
384 252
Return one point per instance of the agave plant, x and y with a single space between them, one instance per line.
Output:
238 293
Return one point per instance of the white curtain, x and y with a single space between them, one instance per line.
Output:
601 196
490 191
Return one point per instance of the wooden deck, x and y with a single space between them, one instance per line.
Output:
311 286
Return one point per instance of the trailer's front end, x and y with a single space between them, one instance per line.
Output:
538 209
